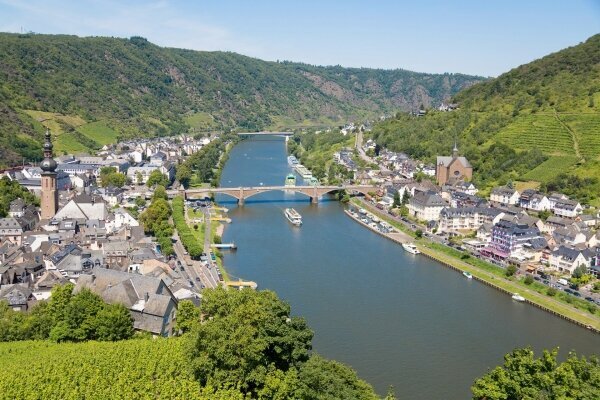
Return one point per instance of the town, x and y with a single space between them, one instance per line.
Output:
548 237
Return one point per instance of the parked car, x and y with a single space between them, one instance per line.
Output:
197 279
589 299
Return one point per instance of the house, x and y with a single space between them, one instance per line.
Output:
567 258
426 205
115 254
149 300
569 235
504 195
17 296
452 168
83 207
113 196
158 158
533 200
508 238
467 219
566 208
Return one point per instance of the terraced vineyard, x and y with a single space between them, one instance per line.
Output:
551 168
587 130
131 369
99 132
539 130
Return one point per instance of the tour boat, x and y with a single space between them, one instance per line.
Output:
290 180
411 248
362 211
293 216
467 275
518 297
303 171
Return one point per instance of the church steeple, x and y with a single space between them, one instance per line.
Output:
455 150
49 203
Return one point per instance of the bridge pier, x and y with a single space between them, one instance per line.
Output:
314 199
241 198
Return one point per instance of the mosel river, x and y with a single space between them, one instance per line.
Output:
397 319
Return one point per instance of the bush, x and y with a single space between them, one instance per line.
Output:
551 291
528 280
592 308
511 270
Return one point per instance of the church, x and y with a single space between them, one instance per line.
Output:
450 169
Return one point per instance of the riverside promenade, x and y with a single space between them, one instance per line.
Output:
542 301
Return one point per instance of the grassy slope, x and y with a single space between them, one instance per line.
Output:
139 89
551 104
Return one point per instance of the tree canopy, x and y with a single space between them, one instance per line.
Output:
522 376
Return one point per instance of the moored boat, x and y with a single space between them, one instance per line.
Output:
411 248
518 297
293 216
467 275
292 161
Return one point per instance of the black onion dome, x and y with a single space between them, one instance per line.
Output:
48 165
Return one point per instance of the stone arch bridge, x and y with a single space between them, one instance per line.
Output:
241 194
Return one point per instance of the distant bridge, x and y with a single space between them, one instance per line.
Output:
241 194
265 133
286 135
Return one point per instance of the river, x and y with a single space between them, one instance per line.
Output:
395 318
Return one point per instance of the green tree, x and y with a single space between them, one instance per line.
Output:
528 280
139 179
113 322
579 272
188 317
183 174
397 201
544 215
522 376
159 193
511 270
140 202
418 234
110 177
157 178
246 334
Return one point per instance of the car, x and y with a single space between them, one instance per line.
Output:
537 278
197 279
545 281
191 282
568 291
588 298
181 268
577 294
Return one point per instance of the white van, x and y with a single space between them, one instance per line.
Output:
563 282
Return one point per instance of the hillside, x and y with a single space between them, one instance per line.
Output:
531 124
93 90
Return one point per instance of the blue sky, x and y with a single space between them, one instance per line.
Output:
476 37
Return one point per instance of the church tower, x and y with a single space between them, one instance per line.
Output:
49 191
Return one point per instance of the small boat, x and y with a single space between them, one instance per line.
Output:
293 216
411 248
362 211
518 297
290 180
375 219
292 161
467 275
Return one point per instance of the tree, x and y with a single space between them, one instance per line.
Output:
544 215
183 174
511 270
110 177
397 201
188 317
114 322
579 272
246 334
160 193
157 178
140 202
405 197
522 376
418 234
139 179
528 280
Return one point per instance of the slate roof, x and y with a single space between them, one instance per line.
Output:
447 160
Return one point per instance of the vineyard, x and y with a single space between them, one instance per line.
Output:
131 369
538 130
550 168
587 130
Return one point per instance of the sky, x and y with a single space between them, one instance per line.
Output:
478 37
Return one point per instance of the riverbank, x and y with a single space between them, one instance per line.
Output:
542 301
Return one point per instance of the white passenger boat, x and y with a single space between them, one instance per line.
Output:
293 216
467 275
411 248
518 297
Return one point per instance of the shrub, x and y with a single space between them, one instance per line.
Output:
511 270
528 280
551 291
